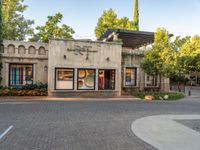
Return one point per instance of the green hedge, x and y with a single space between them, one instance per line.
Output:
159 95
27 90
27 87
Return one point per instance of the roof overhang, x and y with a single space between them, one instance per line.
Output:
130 38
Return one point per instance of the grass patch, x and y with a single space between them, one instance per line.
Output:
159 95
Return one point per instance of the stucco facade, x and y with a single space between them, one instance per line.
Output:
35 54
132 58
78 67
77 54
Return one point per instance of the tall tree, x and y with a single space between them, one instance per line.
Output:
15 26
160 59
136 15
106 21
109 20
189 55
1 38
125 23
53 29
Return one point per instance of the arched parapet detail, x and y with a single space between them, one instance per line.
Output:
2 48
11 48
42 50
21 49
32 50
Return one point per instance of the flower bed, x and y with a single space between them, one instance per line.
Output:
159 96
27 90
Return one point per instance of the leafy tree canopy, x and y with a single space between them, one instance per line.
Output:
161 58
169 57
136 15
15 26
189 55
109 20
53 29
1 39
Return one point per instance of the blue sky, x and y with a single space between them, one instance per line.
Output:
180 17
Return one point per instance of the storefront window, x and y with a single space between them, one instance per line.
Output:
130 77
20 74
106 79
151 81
64 79
86 79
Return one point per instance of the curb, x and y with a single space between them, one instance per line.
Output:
7 99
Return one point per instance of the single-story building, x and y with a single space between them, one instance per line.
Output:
105 67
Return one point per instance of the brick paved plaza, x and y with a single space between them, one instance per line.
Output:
81 125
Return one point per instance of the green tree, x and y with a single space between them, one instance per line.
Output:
161 58
109 20
1 38
53 29
15 26
125 23
136 15
106 21
189 55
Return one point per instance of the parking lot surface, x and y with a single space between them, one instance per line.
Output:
81 125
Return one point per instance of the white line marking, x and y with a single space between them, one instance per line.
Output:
6 131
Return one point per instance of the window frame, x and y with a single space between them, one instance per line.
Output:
136 71
154 86
9 73
57 76
114 79
94 79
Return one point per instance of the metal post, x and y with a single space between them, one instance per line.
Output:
189 92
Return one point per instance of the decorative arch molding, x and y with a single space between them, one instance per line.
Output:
21 49
2 48
11 48
32 50
42 50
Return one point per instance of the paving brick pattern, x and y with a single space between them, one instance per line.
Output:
193 124
81 125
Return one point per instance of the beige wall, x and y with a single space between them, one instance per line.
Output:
107 56
16 52
133 58
55 54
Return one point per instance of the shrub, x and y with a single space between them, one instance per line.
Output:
160 95
35 86
27 90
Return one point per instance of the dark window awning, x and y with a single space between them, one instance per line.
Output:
129 38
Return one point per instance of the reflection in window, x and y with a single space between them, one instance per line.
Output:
130 77
20 74
64 79
86 79
151 81
106 80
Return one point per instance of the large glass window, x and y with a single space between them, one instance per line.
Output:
151 81
20 74
131 77
86 79
106 80
64 79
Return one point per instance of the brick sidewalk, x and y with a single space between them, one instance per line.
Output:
46 98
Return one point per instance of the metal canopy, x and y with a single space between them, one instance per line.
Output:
129 38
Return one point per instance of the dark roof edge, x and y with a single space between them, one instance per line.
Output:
110 31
